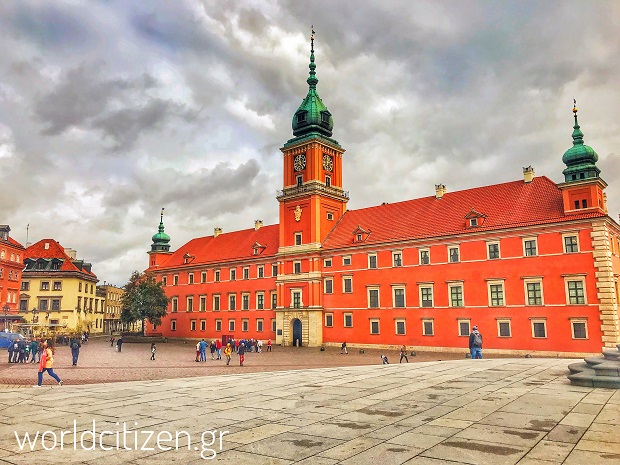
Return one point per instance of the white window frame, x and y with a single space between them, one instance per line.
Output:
232 275
218 325
231 325
373 288
432 322
400 287
583 321
203 303
260 325
458 253
579 278
217 276
245 325
245 297
370 323
455 285
370 257
499 250
331 315
218 298
327 263
274 325
325 291
394 258
174 305
189 302
495 283
190 278
344 291
426 286
297 267
463 320
260 271
346 258
203 325
245 273
344 320
173 325
542 292
298 238
402 321
576 236
537 321
297 291
192 325
258 295
499 322
231 295
420 253
527 239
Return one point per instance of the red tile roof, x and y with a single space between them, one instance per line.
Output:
227 247
504 205
54 250
15 243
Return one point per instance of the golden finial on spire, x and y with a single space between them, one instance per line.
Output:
162 213
574 105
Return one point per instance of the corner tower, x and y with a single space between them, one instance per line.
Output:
582 189
160 249
312 199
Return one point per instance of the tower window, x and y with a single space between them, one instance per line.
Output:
584 203
324 117
301 117
328 181
300 180
582 176
576 204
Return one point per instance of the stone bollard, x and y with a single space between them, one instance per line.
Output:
413 354
322 349
361 351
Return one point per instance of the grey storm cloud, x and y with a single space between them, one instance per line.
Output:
111 110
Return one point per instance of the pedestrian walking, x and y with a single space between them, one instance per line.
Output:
153 350
218 346
384 360
119 344
47 364
75 350
10 351
198 351
34 349
343 348
268 345
212 348
202 345
112 341
403 354
227 353
241 352
475 343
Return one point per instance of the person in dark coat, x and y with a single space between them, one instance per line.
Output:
75 345
119 343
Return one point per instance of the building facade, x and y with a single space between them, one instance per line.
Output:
532 263
11 265
58 291
112 296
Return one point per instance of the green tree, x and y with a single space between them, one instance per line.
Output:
144 299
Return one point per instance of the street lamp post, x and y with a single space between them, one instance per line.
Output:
6 309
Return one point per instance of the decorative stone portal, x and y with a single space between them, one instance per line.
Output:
299 327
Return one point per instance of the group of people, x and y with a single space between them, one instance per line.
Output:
21 349
238 346
119 343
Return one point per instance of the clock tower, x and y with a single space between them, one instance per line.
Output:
311 203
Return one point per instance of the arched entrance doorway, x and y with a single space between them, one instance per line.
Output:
296 332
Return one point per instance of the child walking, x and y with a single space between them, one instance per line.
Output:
153 350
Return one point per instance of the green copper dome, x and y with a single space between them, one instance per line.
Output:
161 239
580 159
312 116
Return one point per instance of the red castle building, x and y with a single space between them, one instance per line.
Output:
532 263
11 266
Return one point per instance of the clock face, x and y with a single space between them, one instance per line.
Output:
328 163
299 163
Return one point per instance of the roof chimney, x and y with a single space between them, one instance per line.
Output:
217 232
71 253
528 174
258 224
440 190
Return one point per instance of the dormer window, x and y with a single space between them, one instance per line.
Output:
301 117
360 235
473 222
325 117
258 248
474 219
187 258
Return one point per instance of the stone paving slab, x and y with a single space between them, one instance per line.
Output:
492 411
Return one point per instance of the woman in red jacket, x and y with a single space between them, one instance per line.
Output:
46 364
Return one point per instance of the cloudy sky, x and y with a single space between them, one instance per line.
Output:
110 110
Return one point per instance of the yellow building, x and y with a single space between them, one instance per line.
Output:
112 307
58 292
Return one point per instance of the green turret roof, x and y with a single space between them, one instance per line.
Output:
580 159
161 239
312 117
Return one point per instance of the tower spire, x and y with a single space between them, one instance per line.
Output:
580 159
577 134
312 79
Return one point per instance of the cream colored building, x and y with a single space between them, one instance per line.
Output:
58 291
112 308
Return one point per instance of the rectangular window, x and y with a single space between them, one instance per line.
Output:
259 325
23 305
192 325
329 286
397 259
45 285
260 271
218 325
534 293
175 278
296 299
297 238
493 250
400 327
425 257
296 267
348 320
346 260
203 277
260 301
456 295
374 326
233 274
190 304
329 320
496 293
327 263
539 329
372 261
203 303
503 328
373 298
347 285
464 327
25 285
576 295
274 270
216 276
530 247
232 302
426 296
231 326
428 327
579 329
57 285
399 297
56 304
190 278
453 254
246 273
175 305
173 325
273 325
274 300
203 325
328 181
216 303
42 305
570 244
245 301
245 325
79 286
300 180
